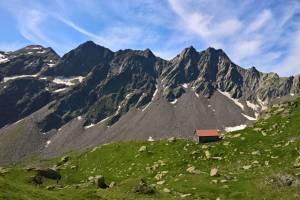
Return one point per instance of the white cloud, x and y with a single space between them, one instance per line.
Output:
291 64
260 21
255 33
203 24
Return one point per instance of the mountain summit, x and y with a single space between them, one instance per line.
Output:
93 95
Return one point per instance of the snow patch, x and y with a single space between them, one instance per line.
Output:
89 126
68 81
4 60
47 143
253 106
128 95
235 128
43 51
34 48
60 90
173 102
18 121
50 64
197 95
79 118
236 101
248 117
5 79
146 106
185 85
263 104
153 97
155 93
292 94
103 120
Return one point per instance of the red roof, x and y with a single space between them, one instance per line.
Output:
206 133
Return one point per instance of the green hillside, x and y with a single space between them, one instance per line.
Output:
260 162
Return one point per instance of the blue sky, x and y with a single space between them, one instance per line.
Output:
261 33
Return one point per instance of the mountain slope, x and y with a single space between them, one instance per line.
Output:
261 162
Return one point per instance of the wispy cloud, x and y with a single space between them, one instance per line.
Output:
255 33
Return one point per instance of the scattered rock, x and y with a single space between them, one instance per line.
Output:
3 171
160 182
37 180
100 182
29 169
160 175
63 160
166 190
193 170
297 162
185 195
286 180
236 135
50 187
112 184
172 139
216 158
207 154
255 162
195 152
143 188
256 152
143 149
226 143
247 167
74 167
49 173
267 163
214 172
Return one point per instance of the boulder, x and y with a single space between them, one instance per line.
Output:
50 187
166 190
37 180
3 171
160 175
207 154
193 170
246 167
100 182
287 180
160 182
172 139
63 160
49 173
143 148
297 162
214 172
112 184
143 188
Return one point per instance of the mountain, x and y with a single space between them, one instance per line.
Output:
93 95
260 162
